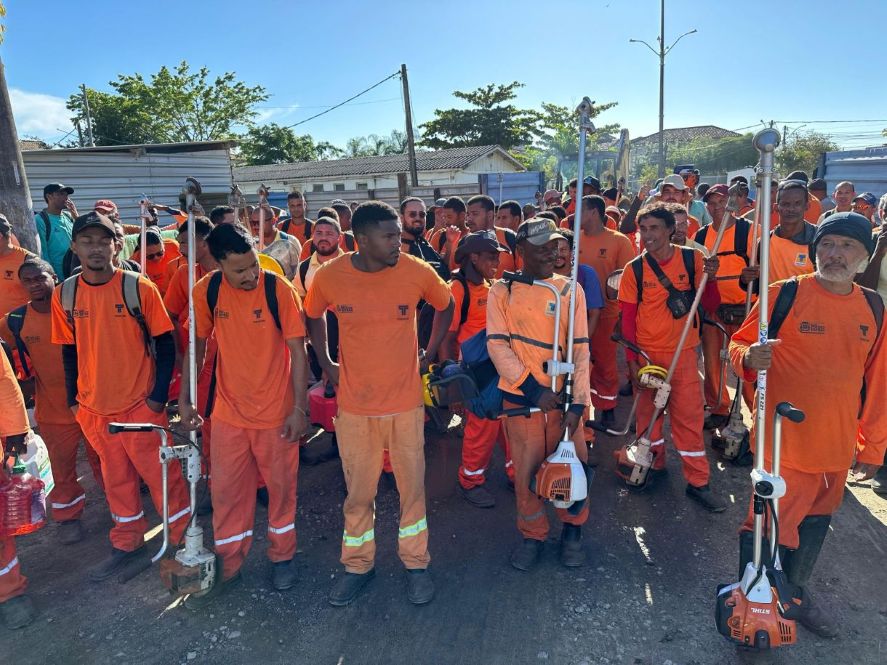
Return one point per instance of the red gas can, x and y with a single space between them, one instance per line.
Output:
322 405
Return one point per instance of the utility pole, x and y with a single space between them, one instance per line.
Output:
89 115
411 141
14 192
661 52
79 134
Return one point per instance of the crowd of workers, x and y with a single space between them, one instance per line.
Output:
341 299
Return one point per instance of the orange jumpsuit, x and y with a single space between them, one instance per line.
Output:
829 346
520 331
13 420
115 377
657 334
57 424
606 252
379 396
247 429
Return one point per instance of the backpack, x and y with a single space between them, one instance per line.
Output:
786 298
16 321
638 269
131 298
309 226
477 362
740 239
510 240
425 322
212 299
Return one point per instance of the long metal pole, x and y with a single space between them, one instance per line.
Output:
662 90
192 190
88 115
411 141
765 142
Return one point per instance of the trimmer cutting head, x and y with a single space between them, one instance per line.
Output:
561 478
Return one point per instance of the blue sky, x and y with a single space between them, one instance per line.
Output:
794 61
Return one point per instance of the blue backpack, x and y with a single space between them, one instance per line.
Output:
477 362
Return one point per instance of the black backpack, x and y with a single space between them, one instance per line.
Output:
212 299
16 321
426 314
309 227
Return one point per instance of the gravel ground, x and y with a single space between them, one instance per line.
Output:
645 597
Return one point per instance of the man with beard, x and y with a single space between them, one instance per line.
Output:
282 247
832 342
326 239
412 240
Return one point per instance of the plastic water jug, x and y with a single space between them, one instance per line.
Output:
22 503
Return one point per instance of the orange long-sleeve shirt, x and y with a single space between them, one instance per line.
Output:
829 346
520 330
13 416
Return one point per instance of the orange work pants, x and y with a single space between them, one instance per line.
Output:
239 455
604 377
717 373
362 442
685 408
807 494
62 441
532 440
126 457
478 441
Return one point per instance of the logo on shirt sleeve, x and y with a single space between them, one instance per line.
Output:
801 259
549 308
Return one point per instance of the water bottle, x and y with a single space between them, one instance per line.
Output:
22 503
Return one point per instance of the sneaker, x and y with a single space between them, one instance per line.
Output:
113 564
17 612
817 619
217 590
70 532
715 421
526 555
479 496
711 501
349 587
879 482
420 587
283 576
572 554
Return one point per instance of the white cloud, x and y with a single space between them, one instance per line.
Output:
39 115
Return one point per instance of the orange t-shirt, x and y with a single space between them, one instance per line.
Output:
606 252
657 330
298 231
45 361
114 372
176 296
476 318
173 266
814 210
788 259
156 269
729 265
828 347
12 293
438 242
254 389
13 417
378 346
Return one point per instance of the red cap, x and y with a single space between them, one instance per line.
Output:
720 188
105 206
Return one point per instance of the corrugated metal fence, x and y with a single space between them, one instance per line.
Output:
866 169
124 176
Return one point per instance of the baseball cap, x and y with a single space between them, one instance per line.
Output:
474 243
337 202
673 180
610 193
105 206
440 202
90 220
550 194
54 187
868 197
817 185
720 188
591 181
538 231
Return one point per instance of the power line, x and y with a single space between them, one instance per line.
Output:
326 106
332 108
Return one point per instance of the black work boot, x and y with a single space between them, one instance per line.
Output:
17 612
218 589
420 587
70 532
479 496
572 554
608 417
798 565
526 555
816 618
113 564
708 499
879 482
349 587
283 576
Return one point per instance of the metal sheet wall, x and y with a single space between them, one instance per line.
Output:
123 176
866 169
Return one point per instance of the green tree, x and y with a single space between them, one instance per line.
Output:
375 145
716 156
173 105
559 137
273 144
491 120
803 151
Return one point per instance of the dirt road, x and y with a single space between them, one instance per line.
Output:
645 597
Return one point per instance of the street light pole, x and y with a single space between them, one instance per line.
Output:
661 53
